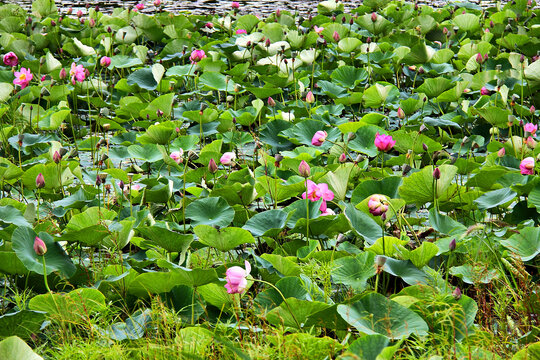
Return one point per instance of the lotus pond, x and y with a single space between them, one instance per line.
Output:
354 184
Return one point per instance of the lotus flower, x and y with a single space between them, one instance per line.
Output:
39 246
196 56
139 6
400 113
227 158
384 142
241 31
157 3
10 59
377 205
23 77
530 128
484 91
319 138
315 192
527 166
318 30
237 278
235 5
77 73
335 36
177 156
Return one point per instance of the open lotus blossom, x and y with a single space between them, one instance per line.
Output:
236 278
39 246
177 156
10 59
317 29
378 205
319 138
227 158
241 31
196 56
384 142
77 73
527 166
317 191
105 61
23 77
530 128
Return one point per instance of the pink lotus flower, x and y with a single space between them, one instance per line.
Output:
177 156
92 22
139 6
105 61
315 192
241 31
342 158
327 212
530 128
157 2
79 14
23 77
378 205
237 278
235 5
39 246
10 59
532 109
318 30
227 158
527 166
196 56
384 142
484 91
77 73
209 25
319 138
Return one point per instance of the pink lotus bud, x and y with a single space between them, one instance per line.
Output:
530 128
241 31
69 10
57 157
40 181
227 158
271 102
235 5
105 61
236 278
10 59
384 142
485 56
267 43
400 113
212 166
209 25
177 156
310 99
501 152
39 246
342 158
445 31
62 74
531 143
197 55
92 22
437 173
304 169
319 138
374 16
377 204
139 6
157 3
532 109
278 13
452 245
527 166
484 91
456 293
479 58
79 14
335 36
491 24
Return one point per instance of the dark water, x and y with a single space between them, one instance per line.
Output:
257 7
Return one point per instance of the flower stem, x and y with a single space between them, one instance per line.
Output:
283 297
307 212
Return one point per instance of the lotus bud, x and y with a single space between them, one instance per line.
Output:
278 159
304 169
98 181
109 30
452 245
532 109
342 158
422 128
267 42
501 152
456 293
121 185
79 14
374 16
350 136
437 173
377 205
400 113
479 58
92 22
57 157
491 24
212 166
271 102
484 91
63 74
310 99
278 13
40 181
425 147
335 36
39 246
